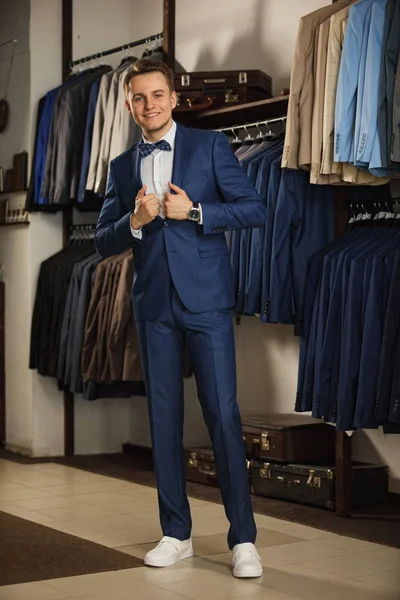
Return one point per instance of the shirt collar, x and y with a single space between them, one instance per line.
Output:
168 137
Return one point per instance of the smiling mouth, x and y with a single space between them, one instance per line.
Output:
151 115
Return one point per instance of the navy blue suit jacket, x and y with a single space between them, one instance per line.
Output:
195 257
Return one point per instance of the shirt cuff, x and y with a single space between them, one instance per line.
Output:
201 215
137 233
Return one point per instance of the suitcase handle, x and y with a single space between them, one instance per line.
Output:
205 471
192 105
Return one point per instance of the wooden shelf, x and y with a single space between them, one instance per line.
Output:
236 115
23 224
13 193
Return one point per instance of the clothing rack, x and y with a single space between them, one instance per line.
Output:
152 38
255 124
343 459
168 41
82 232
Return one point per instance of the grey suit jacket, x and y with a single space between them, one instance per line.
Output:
390 55
65 148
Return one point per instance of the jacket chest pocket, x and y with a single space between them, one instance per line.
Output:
194 186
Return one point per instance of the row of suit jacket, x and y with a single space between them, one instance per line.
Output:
270 263
81 126
83 333
344 106
350 348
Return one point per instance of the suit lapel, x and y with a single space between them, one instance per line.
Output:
181 152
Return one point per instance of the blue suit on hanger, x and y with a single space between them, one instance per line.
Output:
183 294
352 64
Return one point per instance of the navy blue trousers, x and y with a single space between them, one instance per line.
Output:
209 338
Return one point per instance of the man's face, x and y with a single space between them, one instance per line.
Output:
150 102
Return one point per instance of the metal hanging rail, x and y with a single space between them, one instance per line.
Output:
255 124
152 38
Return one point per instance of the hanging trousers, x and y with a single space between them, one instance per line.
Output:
209 338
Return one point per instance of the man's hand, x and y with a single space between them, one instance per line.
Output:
176 206
147 208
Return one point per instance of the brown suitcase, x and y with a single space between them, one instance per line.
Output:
289 438
216 89
200 467
315 485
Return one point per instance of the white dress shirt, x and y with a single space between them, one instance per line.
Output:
156 172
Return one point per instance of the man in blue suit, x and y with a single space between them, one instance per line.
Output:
171 198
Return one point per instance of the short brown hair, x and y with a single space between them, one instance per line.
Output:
144 66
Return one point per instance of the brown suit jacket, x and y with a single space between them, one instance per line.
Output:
92 356
297 148
123 345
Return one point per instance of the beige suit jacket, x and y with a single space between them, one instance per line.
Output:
125 132
104 153
337 28
321 50
297 148
98 125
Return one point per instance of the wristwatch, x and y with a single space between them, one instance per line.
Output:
194 213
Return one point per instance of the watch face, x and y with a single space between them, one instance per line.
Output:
194 214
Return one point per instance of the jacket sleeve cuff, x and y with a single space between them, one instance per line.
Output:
212 218
124 231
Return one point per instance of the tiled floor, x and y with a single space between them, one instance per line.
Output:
300 562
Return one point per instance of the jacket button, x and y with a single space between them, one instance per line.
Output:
165 224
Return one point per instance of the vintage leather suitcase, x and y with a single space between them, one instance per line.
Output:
200 466
289 438
216 89
315 485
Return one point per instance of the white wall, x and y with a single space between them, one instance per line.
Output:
14 24
34 406
14 242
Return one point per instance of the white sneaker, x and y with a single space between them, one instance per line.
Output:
246 561
168 552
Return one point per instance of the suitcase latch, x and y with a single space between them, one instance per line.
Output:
230 97
281 479
265 472
192 463
264 441
185 80
312 480
243 77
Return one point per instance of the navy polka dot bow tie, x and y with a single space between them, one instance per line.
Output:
147 149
